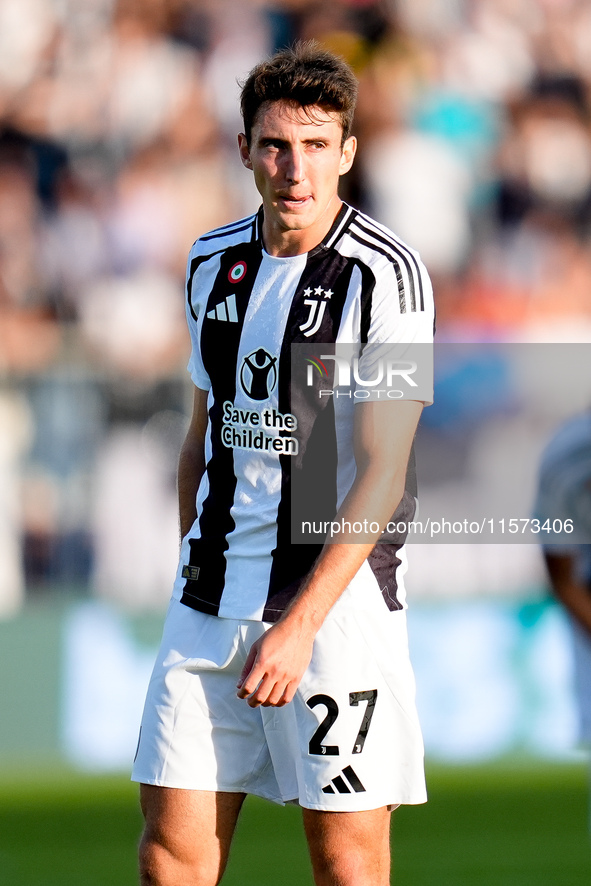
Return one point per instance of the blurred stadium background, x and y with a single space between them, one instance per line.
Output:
118 122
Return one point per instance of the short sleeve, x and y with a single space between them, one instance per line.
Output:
194 312
401 328
402 307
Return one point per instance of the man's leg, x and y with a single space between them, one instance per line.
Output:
187 837
349 848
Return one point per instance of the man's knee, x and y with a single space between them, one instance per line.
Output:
187 836
159 865
349 848
350 868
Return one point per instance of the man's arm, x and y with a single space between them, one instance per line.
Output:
383 435
192 462
571 592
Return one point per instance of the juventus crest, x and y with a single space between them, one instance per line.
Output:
317 308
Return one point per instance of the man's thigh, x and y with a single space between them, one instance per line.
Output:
187 833
349 847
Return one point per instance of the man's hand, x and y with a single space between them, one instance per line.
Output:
276 664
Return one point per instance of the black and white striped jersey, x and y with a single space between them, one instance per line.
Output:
269 444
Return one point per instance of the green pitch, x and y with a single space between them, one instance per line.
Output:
515 825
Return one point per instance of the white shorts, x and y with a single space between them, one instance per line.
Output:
350 739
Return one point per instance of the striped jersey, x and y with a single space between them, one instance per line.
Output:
272 449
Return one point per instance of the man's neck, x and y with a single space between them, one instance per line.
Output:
282 243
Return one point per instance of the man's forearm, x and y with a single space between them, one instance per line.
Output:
341 558
190 471
381 452
192 462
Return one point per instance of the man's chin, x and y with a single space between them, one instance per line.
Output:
293 222
295 216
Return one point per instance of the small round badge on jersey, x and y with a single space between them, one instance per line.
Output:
237 272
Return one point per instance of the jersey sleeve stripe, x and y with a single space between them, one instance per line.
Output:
369 228
228 230
193 266
397 270
388 239
368 285
372 239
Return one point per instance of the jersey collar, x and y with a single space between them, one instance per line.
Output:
330 238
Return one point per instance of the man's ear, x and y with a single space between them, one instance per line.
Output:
244 150
348 155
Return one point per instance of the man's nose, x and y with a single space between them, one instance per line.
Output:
294 170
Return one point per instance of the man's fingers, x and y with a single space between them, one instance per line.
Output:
254 683
251 683
288 694
271 693
276 697
261 692
272 670
248 666
260 688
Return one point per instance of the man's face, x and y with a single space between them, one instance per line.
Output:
297 158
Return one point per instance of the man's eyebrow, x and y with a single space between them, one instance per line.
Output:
272 138
266 139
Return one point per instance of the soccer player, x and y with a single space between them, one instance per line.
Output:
284 670
564 493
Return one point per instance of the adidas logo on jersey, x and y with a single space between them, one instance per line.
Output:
225 310
342 786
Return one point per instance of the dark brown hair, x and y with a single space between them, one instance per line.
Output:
305 75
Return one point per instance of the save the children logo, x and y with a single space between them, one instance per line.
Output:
268 430
258 374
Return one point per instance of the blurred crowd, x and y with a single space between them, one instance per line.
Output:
118 122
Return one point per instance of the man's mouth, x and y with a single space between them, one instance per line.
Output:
294 202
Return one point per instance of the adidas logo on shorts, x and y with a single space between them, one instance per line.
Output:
341 785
